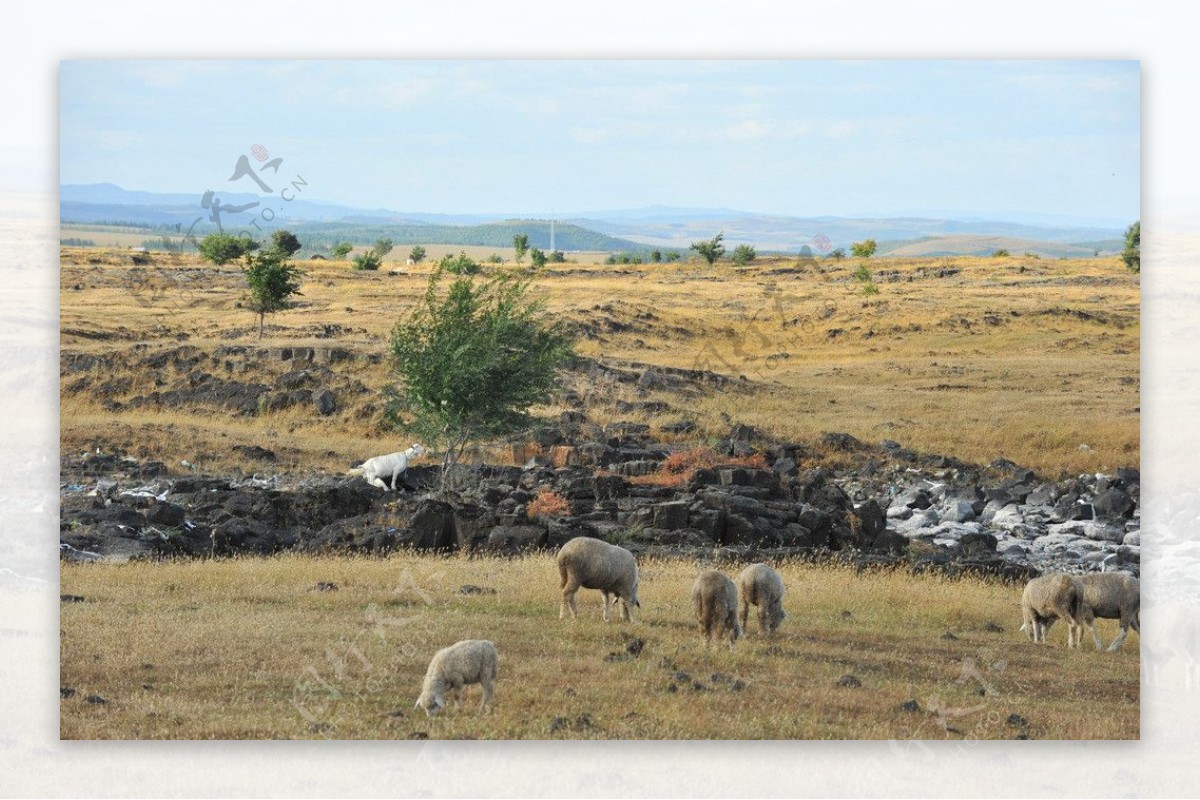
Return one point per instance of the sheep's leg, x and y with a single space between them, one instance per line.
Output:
1120 640
487 693
1095 636
607 605
626 611
570 587
745 611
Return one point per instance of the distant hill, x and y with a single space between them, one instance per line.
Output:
976 245
663 227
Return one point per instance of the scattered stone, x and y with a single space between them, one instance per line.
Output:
635 647
320 727
846 615
65 691
737 686
71 598
326 586
672 688
418 735
992 627
910 705
470 588
682 676
949 636
849 681
95 700
1017 721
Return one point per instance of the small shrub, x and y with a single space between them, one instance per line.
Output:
1001 253
870 288
837 255
369 260
461 264
341 250
864 249
557 257
547 503
671 256
537 258
495 258
863 273
743 254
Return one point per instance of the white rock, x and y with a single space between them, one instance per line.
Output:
1008 517
1133 538
956 510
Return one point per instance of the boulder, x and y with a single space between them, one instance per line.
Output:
512 539
671 516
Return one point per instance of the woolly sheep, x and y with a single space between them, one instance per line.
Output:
1110 595
1046 599
589 563
715 599
467 662
393 464
762 586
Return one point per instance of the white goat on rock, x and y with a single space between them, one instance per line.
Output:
375 469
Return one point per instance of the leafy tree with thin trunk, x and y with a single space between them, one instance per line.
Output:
417 254
710 250
382 247
285 242
538 258
520 246
221 248
1132 255
472 358
272 280
341 250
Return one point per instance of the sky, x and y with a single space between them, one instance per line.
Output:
1004 139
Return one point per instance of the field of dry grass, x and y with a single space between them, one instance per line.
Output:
1031 359
249 648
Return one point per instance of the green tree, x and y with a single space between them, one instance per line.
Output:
472 359
382 247
369 260
520 246
221 248
285 242
656 256
1132 255
672 256
272 280
837 255
417 254
538 258
743 254
557 257
341 250
1001 253
710 250
863 249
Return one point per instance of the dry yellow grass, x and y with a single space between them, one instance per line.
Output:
972 357
248 648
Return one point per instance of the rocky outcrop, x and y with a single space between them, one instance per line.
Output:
893 507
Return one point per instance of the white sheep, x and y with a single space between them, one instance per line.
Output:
587 563
1110 595
1049 598
393 464
762 586
461 664
715 600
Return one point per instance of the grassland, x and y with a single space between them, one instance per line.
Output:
1035 360
249 648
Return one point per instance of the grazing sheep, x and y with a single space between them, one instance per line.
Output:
1047 599
762 586
589 563
393 464
467 662
1110 595
715 599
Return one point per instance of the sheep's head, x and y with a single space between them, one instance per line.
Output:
431 703
417 450
778 615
